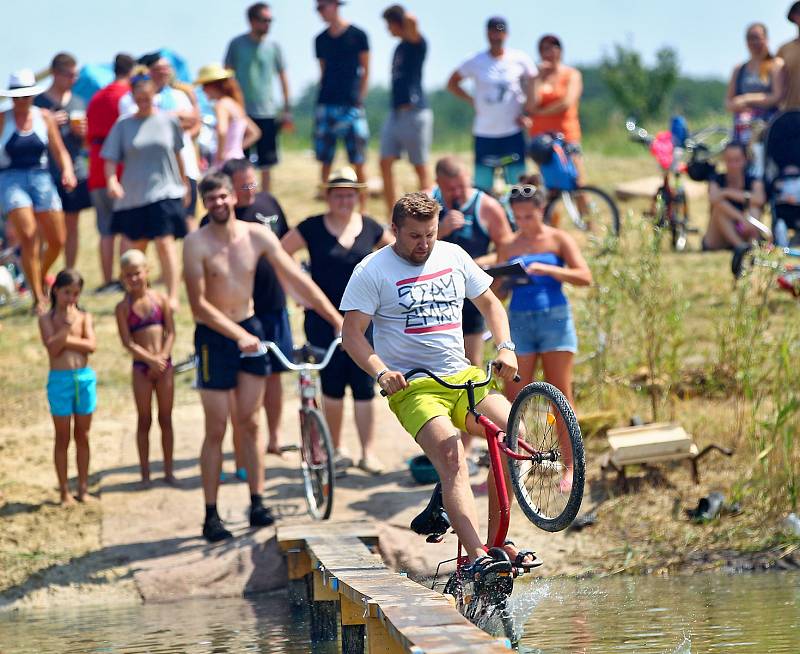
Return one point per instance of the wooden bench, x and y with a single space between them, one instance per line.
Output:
333 570
654 443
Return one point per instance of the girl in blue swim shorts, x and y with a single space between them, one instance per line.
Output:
68 335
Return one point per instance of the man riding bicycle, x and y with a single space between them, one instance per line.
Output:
413 292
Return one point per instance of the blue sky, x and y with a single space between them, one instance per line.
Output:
708 34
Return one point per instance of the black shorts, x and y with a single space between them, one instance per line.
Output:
77 199
277 329
219 360
162 218
192 208
342 371
472 321
264 153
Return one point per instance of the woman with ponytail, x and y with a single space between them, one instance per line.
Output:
235 130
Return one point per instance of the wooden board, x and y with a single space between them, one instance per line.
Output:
400 614
657 441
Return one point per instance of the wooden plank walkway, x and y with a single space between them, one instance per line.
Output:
333 569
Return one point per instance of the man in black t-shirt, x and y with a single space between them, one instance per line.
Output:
69 112
268 296
343 54
409 126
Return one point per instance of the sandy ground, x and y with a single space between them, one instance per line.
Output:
145 544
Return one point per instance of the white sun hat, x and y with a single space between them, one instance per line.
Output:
21 84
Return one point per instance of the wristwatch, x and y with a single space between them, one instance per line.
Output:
506 345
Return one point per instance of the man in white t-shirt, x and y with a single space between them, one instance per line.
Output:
177 102
500 77
413 292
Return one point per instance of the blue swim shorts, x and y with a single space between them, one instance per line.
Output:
333 122
546 330
72 392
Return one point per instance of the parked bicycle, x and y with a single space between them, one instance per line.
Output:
543 440
784 261
588 212
678 154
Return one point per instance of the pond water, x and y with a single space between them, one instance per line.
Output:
687 615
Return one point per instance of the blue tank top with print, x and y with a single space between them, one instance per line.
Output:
542 291
24 150
471 236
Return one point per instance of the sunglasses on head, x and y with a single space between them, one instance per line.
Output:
524 191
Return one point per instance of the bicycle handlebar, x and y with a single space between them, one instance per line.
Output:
269 346
455 387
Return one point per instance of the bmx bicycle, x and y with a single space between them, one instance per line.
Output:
316 447
543 440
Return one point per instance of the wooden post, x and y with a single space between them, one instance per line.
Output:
353 626
298 565
324 625
378 639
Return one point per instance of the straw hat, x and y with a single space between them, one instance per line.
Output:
22 84
343 178
212 73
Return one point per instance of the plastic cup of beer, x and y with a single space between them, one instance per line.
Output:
76 118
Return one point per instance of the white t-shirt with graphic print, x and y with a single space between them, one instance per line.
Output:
416 309
500 88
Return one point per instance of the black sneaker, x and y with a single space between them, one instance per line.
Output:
494 564
214 530
261 516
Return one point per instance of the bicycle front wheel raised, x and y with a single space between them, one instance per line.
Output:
548 482
317 463
587 213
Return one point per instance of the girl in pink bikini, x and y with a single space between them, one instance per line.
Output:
147 330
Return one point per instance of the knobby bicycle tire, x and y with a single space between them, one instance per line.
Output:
541 479
489 612
594 197
317 463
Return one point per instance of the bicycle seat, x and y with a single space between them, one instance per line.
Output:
311 353
433 520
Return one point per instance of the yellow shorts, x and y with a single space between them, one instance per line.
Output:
424 399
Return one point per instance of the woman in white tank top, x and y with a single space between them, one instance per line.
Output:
235 130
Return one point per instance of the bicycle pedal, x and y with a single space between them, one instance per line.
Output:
435 538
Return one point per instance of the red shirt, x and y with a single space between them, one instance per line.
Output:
101 114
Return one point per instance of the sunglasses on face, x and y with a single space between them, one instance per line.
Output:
249 187
263 19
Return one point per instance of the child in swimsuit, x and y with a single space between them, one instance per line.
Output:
68 335
147 330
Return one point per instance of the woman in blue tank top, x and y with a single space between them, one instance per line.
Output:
539 313
28 195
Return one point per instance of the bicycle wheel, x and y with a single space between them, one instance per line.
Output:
485 607
679 224
543 425
317 463
588 213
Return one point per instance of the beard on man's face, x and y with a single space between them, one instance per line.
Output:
221 214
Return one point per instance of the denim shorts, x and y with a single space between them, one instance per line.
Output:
28 188
546 330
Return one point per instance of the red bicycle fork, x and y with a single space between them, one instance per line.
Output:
495 438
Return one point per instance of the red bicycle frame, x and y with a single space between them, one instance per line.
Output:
495 439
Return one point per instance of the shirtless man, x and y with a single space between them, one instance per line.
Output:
219 267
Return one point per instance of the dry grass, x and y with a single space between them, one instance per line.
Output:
638 527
